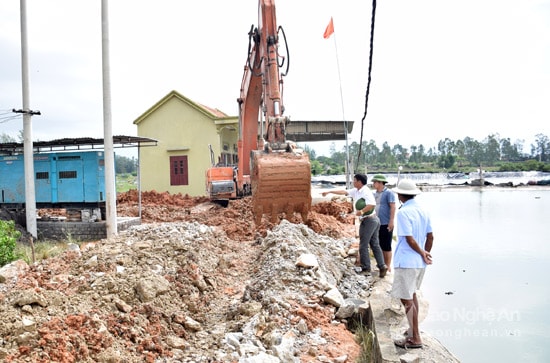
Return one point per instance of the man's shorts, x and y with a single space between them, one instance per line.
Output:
406 281
385 238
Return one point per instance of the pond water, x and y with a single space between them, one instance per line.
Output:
488 291
514 177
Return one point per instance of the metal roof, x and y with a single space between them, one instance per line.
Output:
300 131
81 143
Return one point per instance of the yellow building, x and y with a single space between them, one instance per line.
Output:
184 130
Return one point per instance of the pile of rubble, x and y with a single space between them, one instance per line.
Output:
194 283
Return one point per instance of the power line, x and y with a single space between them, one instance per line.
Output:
4 119
8 115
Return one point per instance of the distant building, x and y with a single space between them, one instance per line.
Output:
184 130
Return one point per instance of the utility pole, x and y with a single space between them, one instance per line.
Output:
30 198
110 191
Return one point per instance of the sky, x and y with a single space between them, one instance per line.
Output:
441 68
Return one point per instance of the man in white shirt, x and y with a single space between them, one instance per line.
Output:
370 224
411 256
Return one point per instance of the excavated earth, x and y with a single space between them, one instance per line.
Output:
195 282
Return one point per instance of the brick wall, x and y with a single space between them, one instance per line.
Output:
80 231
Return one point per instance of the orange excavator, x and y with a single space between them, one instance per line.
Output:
270 168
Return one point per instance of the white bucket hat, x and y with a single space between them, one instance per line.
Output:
407 187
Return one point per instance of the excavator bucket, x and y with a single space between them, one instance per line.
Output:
281 183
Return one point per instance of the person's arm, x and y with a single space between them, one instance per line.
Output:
429 241
339 192
392 216
368 209
426 256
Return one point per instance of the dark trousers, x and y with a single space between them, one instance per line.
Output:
368 236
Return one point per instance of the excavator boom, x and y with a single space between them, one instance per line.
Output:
271 168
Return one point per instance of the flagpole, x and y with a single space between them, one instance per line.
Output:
347 166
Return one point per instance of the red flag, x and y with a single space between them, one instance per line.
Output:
329 30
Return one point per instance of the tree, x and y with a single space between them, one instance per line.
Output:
492 150
316 167
330 167
509 151
125 165
460 151
541 147
386 156
399 153
445 146
474 151
448 153
5 138
371 152
310 152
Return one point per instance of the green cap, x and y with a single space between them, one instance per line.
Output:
379 178
360 204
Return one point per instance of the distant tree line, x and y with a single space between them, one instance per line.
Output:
465 155
125 165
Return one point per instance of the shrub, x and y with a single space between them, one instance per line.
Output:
8 238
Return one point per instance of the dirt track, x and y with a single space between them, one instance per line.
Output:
172 289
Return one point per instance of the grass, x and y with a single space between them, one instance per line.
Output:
125 182
366 338
42 250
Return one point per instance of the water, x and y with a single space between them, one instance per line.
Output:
488 288
514 177
488 292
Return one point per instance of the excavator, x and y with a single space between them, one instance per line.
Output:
270 168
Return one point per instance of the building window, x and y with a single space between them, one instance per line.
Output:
179 173
70 174
69 157
42 175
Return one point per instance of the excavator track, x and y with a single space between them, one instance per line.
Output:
281 183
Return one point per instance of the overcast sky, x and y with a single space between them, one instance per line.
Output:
441 68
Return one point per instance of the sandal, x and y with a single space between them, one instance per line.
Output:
407 344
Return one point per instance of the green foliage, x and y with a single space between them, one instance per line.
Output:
316 167
8 239
492 153
446 161
310 152
529 165
125 182
125 165
367 339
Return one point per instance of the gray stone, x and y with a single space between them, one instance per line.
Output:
260 358
334 297
345 311
151 286
409 358
12 270
29 297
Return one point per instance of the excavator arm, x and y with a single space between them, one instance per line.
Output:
271 168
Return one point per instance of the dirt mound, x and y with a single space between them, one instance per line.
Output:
236 220
195 282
